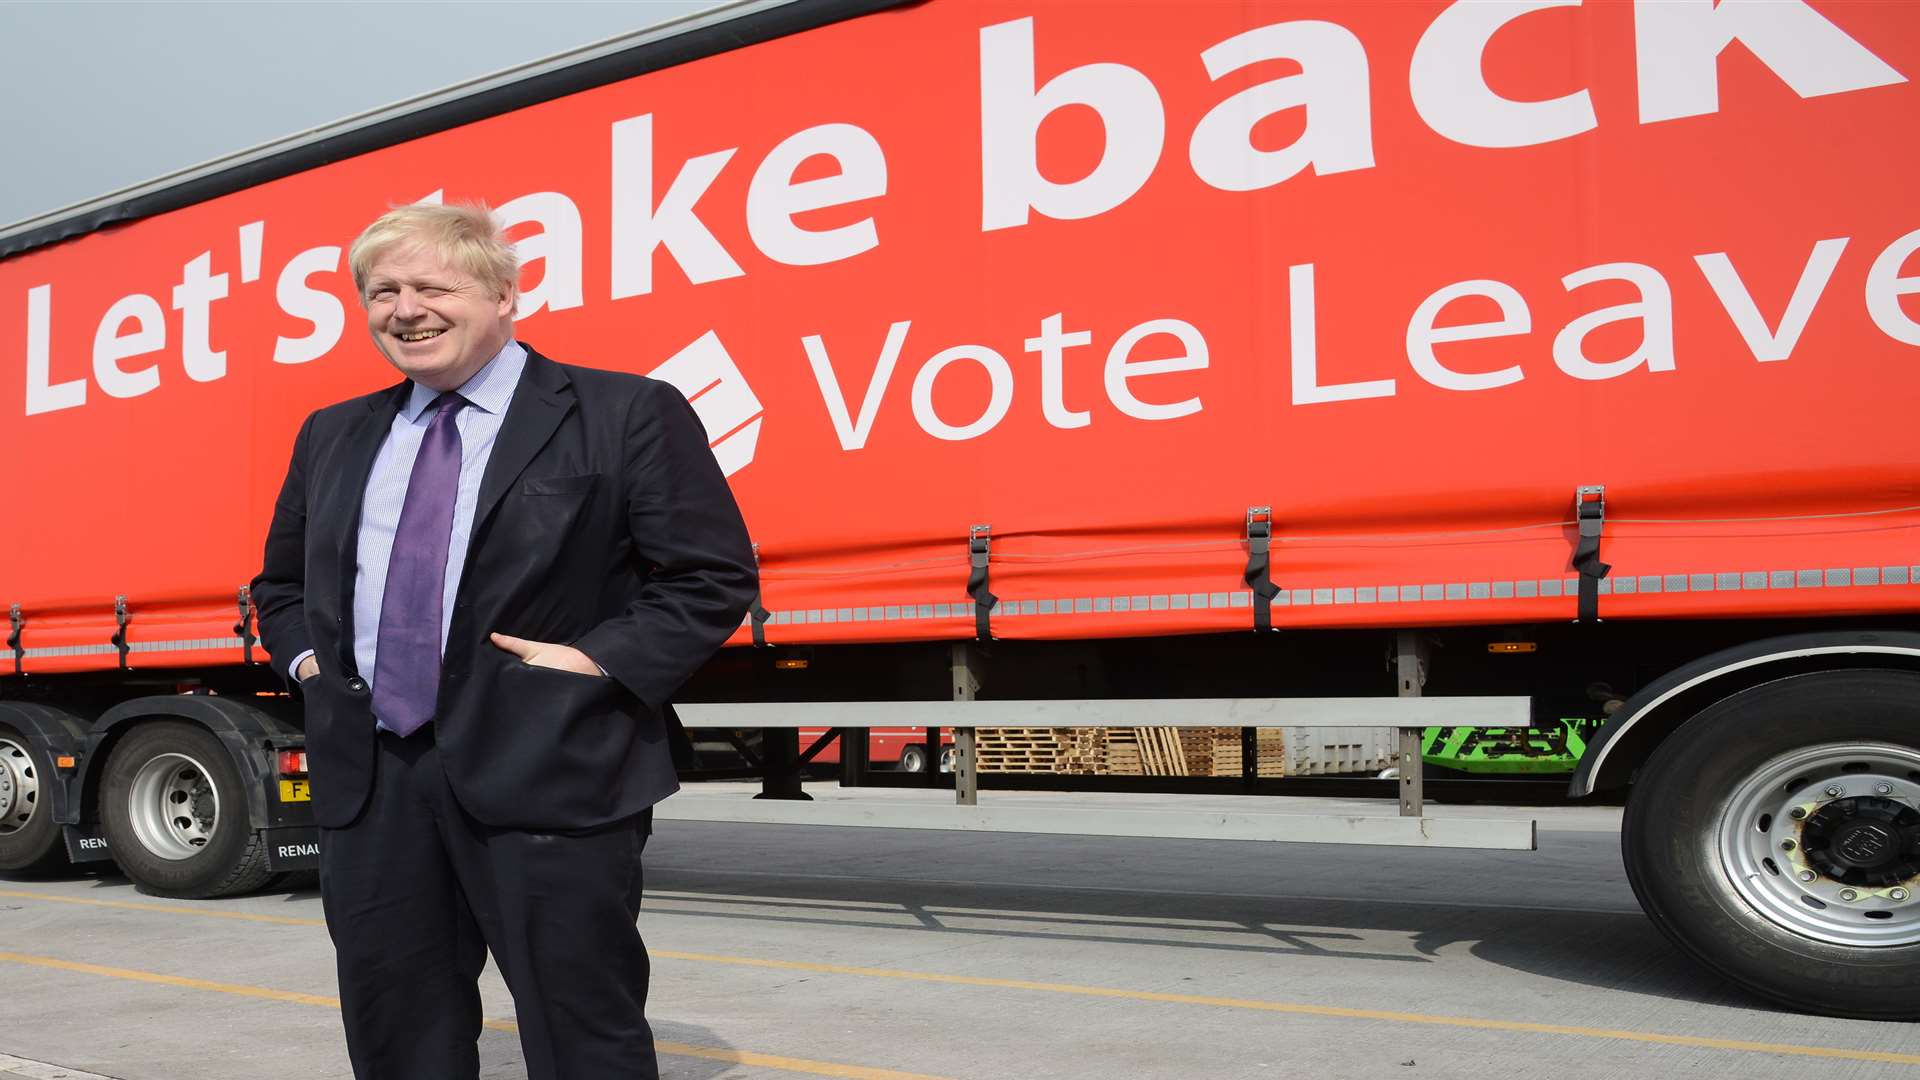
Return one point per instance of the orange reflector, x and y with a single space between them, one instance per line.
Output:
1512 647
791 665
64 761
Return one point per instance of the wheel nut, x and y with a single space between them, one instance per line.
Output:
1833 791
1897 894
1786 845
1849 894
1883 789
1798 813
1807 875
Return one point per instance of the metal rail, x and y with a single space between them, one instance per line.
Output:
849 720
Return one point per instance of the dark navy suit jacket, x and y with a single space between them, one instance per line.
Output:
603 522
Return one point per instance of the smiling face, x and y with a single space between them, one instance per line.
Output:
432 320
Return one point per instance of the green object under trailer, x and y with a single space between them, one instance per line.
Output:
1529 751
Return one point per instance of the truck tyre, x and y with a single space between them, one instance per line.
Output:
1775 838
29 837
913 758
176 816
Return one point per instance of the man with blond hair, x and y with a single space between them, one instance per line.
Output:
486 582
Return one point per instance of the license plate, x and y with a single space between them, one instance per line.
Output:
295 791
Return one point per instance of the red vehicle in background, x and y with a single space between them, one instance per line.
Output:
903 748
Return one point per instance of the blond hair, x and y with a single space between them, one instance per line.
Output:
466 236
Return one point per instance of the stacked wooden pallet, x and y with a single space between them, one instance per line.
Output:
1211 751
1271 759
1123 752
1218 752
1150 751
1153 751
1017 750
1083 752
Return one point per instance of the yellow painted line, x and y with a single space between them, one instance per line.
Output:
710 1053
1303 1010
800 1065
164 909
157 979
1468 1022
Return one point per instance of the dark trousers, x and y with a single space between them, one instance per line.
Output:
416 893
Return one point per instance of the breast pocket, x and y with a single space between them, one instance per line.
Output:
544 539
560 485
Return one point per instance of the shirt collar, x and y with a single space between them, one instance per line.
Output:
490 389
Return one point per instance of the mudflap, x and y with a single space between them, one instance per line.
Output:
293 849
86 843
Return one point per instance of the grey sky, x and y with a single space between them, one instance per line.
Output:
97 96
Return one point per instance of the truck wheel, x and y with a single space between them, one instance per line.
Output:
29 837
176 817
913 758
1775 837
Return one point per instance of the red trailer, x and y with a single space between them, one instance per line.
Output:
1177 351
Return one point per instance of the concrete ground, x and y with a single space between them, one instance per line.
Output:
882 954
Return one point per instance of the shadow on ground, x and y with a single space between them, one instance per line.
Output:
1563 913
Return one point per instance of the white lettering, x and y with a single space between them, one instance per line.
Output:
1305 346
1331 86
1052 345
1885 287
110 346
317 306
1422 335
998 373
1121 368
639 226
773 198
1450 90
1774 344
1677 44
253 237
557 247
1654 309
43 395
853 434
1011 112
193 298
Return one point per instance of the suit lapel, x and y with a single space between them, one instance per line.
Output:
543 399
357 453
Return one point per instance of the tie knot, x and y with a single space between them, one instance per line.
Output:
447 404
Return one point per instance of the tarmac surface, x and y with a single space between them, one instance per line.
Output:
884 954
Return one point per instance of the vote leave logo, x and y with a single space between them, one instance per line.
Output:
721 398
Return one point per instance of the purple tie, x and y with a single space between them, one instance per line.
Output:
406 672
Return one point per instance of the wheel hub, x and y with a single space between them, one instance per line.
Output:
172 806
203 805
19 787
1864 841
1825 842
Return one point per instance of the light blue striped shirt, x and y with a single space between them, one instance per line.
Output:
488 393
